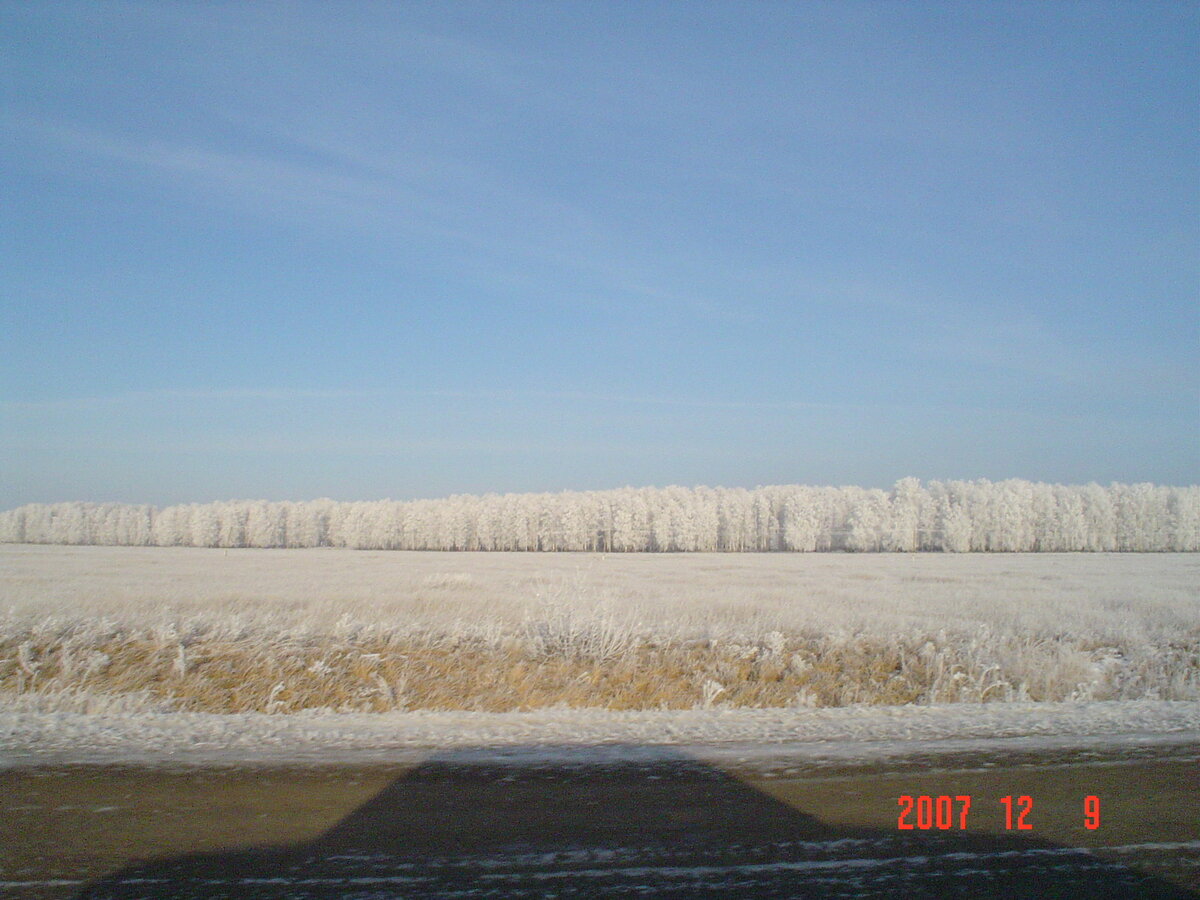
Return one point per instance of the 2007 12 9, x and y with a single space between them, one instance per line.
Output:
944 812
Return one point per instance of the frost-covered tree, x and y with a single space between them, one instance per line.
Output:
1186 514
956 516
172 527
205 525
904 518
953 532
801 522
868 519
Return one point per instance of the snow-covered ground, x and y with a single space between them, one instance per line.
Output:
1104 620
848 734
1105 597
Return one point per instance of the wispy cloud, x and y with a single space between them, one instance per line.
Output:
259 444
318 177
230 395
289 395
631 399
388 398
287 184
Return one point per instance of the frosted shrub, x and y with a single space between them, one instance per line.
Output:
563 632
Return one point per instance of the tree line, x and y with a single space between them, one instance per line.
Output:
956 516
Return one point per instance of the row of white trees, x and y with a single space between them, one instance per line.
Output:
954 516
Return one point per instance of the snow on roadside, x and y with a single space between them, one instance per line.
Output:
842 734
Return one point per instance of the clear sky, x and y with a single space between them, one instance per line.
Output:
413 249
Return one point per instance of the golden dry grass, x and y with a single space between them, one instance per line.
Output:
442 672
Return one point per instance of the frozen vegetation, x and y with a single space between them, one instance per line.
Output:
958 516
128 630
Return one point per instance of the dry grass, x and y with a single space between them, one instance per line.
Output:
513 633
513 672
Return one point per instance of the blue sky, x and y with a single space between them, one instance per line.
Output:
408 250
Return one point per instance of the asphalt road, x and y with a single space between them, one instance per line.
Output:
673 825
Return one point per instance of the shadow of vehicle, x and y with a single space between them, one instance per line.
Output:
633 821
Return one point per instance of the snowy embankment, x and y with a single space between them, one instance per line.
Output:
812 736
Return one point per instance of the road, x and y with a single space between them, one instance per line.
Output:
671 824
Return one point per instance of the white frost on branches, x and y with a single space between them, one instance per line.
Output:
956 516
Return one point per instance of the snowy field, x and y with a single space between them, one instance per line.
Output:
630 647
1117 597
769 741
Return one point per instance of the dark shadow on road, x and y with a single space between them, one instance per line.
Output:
641 822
